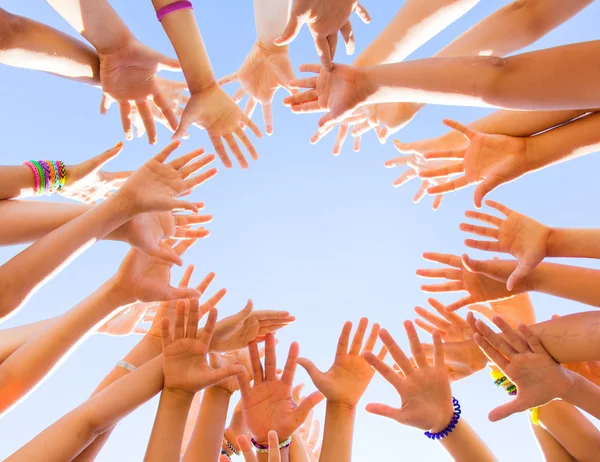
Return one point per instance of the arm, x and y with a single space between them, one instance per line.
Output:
270 17
207 437
463 443
415 23
551 450
571 429
16 337
585 395
66 438
29 44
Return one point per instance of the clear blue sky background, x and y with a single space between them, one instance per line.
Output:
324 237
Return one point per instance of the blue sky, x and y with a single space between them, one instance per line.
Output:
324 237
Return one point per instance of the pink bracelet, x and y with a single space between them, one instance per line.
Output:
165 10
36 176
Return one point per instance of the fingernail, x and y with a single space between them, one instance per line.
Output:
118 145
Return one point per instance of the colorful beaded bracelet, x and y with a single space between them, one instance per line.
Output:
264 449
451 425
230 447
49 176
36 177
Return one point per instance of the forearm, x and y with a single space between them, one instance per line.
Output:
574 243
415 23
512 27
298 450
183 32
67 437
511 83
205 444
552 451
146 350
337 434
31 363
13 339
167 432
32 267
572 140
271 17
96 21
571 429
29 44
464 445
585 395
564 281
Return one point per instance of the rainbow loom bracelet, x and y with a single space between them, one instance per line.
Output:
264 449
42 177
451 425
36 177
53 174
63 174
57 170
48 176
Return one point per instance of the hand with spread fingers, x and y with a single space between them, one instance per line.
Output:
126 322
424 388
325 18
266 69
452 327
87 183
239 330
248 452
156 185
490 160
242 357
168 309
147 279
339 92
462 359
128 76
480 288
348 378
267 404
520 236
211 109
523 359
185 350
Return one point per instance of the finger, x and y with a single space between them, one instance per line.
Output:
238 95
492 233
442 172
192 168
348 36
522 270
415 345
397 161
233 146
489 246
324 53
148 120
490 183
438 322
342 347
362 13
453 185
243 381
165 108
404 178
182 247
291 30
187 275
290 365
468 133
213 301
270 359
192 326
319 135
340 139
361 128
356 144
438 348
307 405
423 325
333 41
166 254
437 202
105 103
444 259
492 220
239 133
141 330
166 152
185 159
372 339
396 352
250 107
451 317
466 301
481 309
308 82
187 220
180 321
490 351
267 110
359 335
246 448
532 340
384 370
452 154
421 192
308 108
228 79
443 287
515 340
274 455
165 333
313 371
125 109
221 152
499 344
382 410
508 409
257 369
298 388
167 64
446 273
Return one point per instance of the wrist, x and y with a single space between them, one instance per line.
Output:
196 88
371 86
270 47
442 419
118 295
340 407
533 159
573 386
113 43
220 392
177 397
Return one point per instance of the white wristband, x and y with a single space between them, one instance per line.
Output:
125 365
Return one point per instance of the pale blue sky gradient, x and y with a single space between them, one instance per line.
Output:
324 237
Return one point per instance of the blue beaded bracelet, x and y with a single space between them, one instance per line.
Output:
451 425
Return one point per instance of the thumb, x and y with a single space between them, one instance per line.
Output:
165 253
101 160
181 293
226 372
290 32
508 409
488 185
105 103
187 119
168 64
312 370
302 411
519 273
245 312
382 410
483 310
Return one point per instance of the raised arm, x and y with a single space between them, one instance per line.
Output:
30 44
210 107
427 402
154 187
551 450
67 437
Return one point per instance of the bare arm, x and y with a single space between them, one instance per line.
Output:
15 338
29 44
66 438
574 243
551 450
415 23
271 17
463 444
571 429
